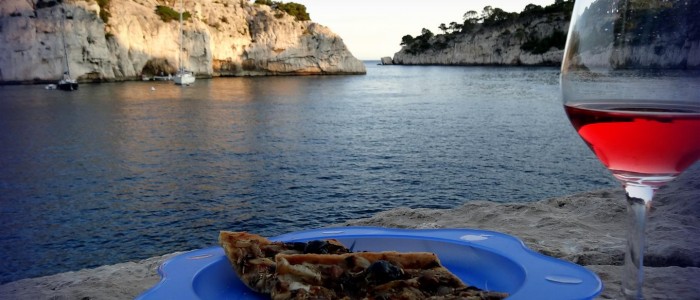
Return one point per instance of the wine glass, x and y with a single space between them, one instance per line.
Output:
630 82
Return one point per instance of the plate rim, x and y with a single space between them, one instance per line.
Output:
205 255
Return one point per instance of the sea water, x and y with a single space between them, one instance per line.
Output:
124 171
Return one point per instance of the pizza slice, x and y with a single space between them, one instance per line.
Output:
370 275
253 256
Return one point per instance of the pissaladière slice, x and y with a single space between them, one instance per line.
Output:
370 275
253 256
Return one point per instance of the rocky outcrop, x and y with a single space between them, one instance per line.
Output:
497 45
222 38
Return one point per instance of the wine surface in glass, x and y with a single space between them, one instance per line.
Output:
640 138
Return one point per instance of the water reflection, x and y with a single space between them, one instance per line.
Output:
117 172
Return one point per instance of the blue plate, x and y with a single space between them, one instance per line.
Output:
486 259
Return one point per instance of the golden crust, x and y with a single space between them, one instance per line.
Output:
285 272
245 253
253 256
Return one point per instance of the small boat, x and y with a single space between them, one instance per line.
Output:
50 86
163 77
67 83
182 77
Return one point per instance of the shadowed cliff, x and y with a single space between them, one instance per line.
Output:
535 36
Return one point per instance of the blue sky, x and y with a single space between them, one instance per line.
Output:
373 28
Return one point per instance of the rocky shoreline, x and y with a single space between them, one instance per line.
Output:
121 40
585 228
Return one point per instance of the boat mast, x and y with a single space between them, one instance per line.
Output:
63 38
181 41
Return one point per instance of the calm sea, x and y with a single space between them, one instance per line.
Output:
118 172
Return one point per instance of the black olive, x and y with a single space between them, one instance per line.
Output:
317 247
298 246
350 262
382 271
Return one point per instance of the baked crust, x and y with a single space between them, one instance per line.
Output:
253 256
326 270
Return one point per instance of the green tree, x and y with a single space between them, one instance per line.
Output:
471 17
406 40
443 27
296 10
532 7
426 34
498 16
455 27
168 14
486 12
531 10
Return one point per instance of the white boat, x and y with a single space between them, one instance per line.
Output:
183 76
67 83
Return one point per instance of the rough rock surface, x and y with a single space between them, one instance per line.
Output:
113 282
585 228
223 38
589 229
499 45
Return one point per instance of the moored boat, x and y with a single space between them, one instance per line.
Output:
183 76
67 83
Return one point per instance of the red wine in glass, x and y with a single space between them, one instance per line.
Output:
631 88
642 139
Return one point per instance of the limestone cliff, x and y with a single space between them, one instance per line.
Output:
222 38
537 36
493 45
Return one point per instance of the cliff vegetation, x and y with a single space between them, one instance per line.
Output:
537 36
496 18
493 36
298 11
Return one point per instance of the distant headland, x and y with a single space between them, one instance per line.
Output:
535 36
115 40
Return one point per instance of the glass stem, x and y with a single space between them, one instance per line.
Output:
639 199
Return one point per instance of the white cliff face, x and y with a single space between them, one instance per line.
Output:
494 46
503 46
223 38
304 48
